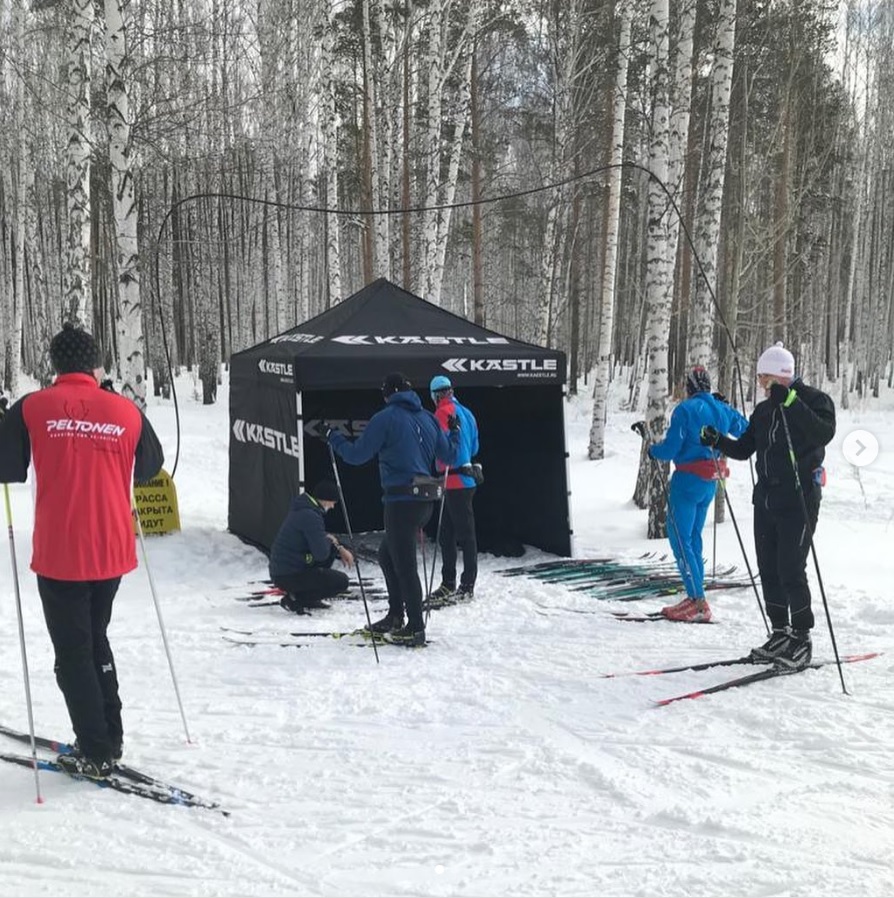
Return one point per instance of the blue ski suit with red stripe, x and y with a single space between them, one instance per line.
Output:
694 481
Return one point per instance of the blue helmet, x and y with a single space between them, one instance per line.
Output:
439 383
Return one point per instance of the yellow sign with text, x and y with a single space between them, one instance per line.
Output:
156 504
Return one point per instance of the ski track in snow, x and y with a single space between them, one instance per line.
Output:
493 762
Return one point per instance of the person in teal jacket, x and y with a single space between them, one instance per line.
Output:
458 525
693 484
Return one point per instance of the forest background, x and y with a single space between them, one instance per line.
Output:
644 184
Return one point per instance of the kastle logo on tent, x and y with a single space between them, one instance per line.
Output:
297 338
350 427
268 437
281 368
523 367
373 340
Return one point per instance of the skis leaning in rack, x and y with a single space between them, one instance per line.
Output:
124 779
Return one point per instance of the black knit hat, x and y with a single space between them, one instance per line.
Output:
325 491
395 383
73 349
698 381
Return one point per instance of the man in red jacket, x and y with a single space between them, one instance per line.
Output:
86 445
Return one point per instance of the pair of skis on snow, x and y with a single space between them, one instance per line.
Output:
361 638
125 779
768 671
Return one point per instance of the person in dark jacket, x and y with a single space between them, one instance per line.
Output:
782 534
303 552
458 522
407 440
86 445
692 485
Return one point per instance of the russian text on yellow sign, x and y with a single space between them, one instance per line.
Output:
156 503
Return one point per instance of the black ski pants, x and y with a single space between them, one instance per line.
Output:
77 615
782 543
397 557
313 583
458 528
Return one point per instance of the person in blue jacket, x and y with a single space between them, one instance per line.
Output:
408 441
302 553
458 524
693 484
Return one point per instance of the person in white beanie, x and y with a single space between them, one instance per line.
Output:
782 535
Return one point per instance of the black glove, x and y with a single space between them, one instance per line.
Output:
452 423
779 394
4 404
639 427
709 436
107 385
720 397
325 430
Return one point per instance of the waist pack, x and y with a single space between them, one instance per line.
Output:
474 470
420 488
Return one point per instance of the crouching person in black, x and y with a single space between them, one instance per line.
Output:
302 554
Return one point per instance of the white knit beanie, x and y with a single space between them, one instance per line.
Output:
776 360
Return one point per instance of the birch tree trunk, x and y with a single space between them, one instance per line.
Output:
21 176
432 146
330 155
602 377
462 115
852 279
378 224
131 361
565 22
700 349
271 114
78 299
659 266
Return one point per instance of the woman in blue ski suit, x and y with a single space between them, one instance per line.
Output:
693 484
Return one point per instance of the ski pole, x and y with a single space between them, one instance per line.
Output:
18 595
732 515
714 548
161 623
424 568
808 529
354 552
434 562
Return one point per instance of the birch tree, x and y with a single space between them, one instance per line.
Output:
329 127
446 59
131 361
78 296
659 265
700 349
602 376
22 178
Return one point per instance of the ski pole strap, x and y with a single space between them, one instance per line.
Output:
706 468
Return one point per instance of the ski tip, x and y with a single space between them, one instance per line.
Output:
867 656
664 702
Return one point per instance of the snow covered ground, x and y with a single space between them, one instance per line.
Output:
496 761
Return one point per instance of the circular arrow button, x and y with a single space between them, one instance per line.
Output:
860 448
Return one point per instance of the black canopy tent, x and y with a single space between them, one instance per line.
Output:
331 368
